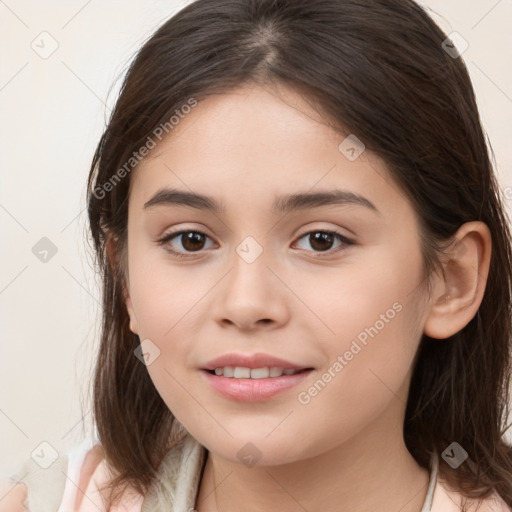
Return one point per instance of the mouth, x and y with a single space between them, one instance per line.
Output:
243 372
253 384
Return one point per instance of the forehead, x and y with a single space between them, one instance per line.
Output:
256 144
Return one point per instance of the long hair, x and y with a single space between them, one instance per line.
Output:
378 69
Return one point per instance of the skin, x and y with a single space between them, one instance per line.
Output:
344 449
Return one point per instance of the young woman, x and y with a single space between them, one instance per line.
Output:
307 272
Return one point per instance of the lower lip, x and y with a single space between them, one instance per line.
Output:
253 390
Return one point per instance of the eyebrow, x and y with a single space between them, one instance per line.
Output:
283 204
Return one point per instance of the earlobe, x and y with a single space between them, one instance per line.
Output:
131 313
460 289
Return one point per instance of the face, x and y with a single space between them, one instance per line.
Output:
332 287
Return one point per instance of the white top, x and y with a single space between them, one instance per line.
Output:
427 506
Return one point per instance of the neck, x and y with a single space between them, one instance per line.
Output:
371 471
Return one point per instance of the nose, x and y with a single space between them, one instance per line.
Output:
251 296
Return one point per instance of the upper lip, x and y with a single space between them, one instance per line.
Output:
252 361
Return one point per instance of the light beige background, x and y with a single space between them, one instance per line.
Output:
53 112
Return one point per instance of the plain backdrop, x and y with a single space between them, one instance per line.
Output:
53 111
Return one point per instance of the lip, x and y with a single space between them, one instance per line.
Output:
253 390
252 361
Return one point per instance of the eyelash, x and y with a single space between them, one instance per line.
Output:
343 239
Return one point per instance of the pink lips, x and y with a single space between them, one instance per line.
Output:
252 390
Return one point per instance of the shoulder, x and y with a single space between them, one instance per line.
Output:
447 499
13 496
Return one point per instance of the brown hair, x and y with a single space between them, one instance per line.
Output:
376 68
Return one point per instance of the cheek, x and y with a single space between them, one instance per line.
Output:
168 304
372 325
163 295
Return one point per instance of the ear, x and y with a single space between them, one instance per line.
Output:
111 248
459 291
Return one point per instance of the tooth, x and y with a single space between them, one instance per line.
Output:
242 372
275 371
229 371
259 373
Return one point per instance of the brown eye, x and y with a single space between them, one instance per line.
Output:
322 241
190 241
